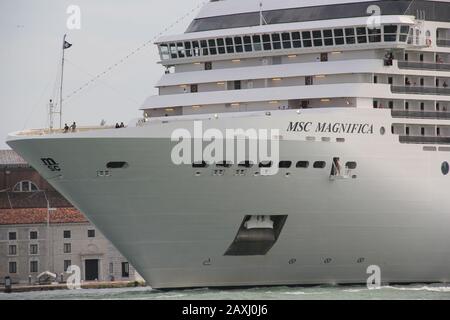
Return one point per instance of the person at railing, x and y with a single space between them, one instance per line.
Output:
117 125
73 127
122 125
388 58
66 128
407 82
336 168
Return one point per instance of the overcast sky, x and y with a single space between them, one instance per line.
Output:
30 40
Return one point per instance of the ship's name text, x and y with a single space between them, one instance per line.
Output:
330 127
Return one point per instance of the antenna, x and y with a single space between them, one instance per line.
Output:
262 20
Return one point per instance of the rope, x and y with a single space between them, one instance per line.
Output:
132 53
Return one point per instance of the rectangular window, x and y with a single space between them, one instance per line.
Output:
248 44
375 79
67 264
33 266
111 268
267 45
12 235
67 234
212 47
208 65
125 270
238 44
204 46
257 43
350 35
67 248
34 249
237 85
324 57
221 46
188 49
361 34
276 40
317 35
12 267
91 233
33 235
390 33
194 88
328 37
309 81
12 250
286 40
390 80
297 43
302 164
230 45
374 35
306 35
339 36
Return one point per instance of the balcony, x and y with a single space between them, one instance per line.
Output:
420 90
424 140
424 65
443 42
439 115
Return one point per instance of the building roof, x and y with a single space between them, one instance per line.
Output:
11 158
39 216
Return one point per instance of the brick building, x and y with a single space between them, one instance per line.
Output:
34 239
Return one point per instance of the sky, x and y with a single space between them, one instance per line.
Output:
31 35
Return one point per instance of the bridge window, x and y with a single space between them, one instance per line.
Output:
390 33
339 36
25 186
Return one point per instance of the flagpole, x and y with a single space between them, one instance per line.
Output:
61 84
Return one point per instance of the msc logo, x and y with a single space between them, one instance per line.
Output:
51 164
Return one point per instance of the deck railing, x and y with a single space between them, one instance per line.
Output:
424 140
424 65
421 114
47 131
420 90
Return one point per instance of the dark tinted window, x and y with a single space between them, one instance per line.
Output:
285 164
302 164
246 164
67 234
319 164
351 165
201 164
116 165
12 236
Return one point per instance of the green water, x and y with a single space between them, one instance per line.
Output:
415 292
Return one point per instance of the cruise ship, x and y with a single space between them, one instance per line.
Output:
353 95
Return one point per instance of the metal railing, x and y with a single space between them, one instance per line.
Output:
443 42
424 65
424 140
47 131
420 114
420 90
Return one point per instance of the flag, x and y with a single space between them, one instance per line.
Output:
66 45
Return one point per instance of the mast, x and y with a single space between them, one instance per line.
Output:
61 83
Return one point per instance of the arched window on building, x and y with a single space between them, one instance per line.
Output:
25 186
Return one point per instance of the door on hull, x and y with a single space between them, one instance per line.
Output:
91 267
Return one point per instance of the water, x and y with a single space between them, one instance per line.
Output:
415 292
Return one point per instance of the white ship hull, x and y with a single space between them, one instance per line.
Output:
175 227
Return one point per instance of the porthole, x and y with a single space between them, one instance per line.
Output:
445 168
285 164
382 131
302 164
319 164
